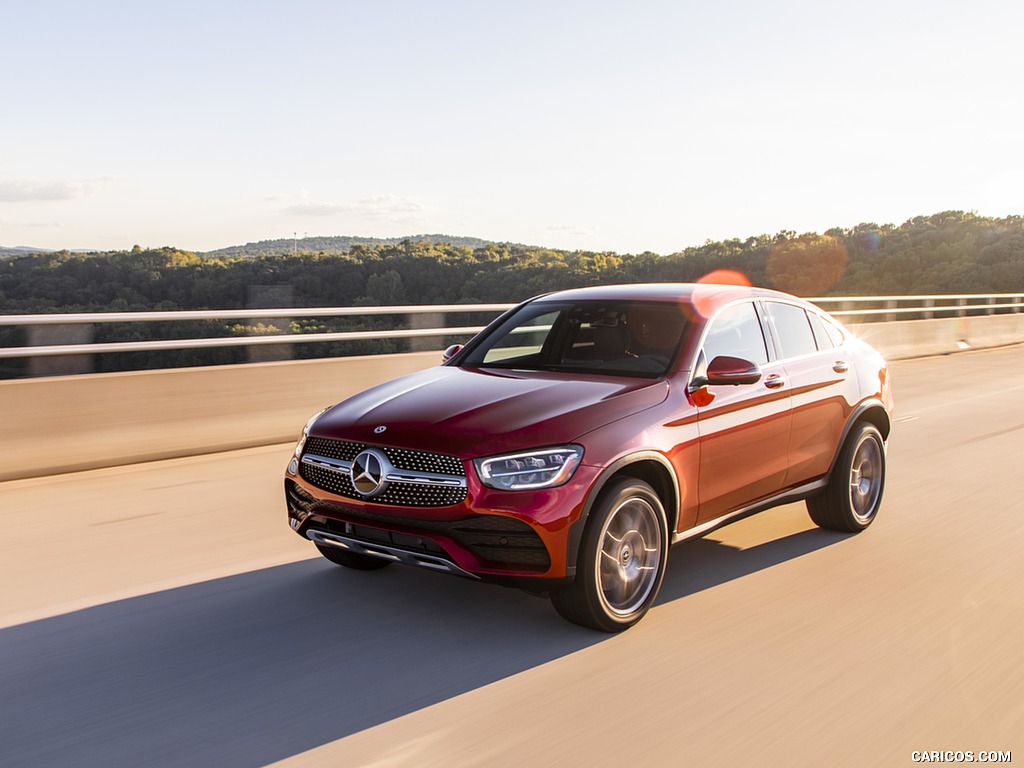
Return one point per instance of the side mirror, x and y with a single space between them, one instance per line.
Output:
730 370
451 352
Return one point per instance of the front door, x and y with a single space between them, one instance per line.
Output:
744 429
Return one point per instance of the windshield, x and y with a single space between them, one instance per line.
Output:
621 338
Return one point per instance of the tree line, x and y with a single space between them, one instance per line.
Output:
949 252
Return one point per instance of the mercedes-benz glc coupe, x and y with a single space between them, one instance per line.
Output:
568 445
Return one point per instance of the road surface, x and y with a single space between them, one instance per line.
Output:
163 614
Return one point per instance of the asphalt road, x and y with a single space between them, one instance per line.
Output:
164 615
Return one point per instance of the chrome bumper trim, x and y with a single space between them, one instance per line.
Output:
383 552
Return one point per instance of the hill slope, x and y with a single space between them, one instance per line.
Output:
332 245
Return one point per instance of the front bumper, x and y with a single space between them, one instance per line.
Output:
491 534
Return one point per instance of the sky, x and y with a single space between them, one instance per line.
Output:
623 126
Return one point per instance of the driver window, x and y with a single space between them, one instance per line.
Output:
528 339
736 332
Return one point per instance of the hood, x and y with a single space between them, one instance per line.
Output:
478 412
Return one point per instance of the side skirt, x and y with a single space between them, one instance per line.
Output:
793 494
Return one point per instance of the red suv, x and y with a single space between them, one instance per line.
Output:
571 442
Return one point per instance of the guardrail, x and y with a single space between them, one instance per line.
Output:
159 412
889 309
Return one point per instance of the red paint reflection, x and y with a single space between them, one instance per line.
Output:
712 286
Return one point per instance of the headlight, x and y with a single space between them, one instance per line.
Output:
541 468
305 431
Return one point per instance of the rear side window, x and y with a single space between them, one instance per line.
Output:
820 334
792 328
833 330
736 332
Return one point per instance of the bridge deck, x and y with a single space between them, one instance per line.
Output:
163 614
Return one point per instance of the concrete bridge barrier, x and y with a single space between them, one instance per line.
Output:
921 338
69 423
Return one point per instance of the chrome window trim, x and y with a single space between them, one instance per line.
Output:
766 300
772 330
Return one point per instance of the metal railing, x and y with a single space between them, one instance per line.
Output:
884 308
928 306
241 314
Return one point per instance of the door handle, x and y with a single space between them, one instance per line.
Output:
840 366
774 381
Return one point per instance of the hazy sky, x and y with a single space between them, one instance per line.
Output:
620 126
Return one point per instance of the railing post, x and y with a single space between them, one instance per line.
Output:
53 335
961 303
269 297
891 304
427 320
928 315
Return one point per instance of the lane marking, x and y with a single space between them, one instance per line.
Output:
998 433
996 393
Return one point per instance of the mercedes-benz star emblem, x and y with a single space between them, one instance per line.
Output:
368 472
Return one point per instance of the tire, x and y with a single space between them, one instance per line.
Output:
853 495
339 556
612 592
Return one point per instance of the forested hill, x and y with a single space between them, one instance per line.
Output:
332 245
951 252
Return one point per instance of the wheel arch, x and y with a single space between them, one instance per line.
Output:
871 411
650 466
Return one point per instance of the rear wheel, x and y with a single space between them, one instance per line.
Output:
851 500
621 562
339 556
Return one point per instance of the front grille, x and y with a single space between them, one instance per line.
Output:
336 482
421 461
492 538
417 461
333 449
397 494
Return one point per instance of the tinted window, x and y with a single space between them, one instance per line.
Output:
834 331
736 332
523 341
627 338
794 332
820 334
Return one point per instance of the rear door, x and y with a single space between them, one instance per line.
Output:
821 384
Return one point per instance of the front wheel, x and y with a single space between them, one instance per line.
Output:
853 495
622 559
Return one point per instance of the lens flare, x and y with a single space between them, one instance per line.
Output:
725 277
713 286
870 240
